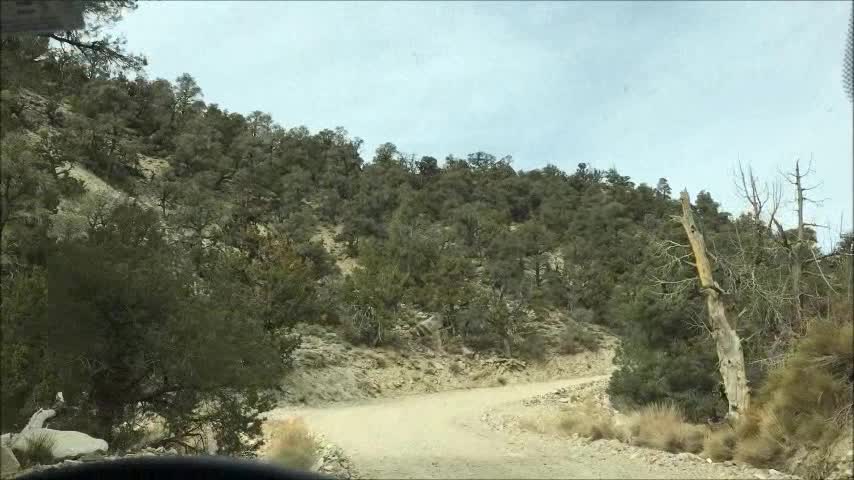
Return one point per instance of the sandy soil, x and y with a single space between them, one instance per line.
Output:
445 435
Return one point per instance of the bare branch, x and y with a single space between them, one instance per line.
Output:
784 239
746 185
87 48
776 196
823 277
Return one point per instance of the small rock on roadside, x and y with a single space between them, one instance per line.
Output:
689 456
91 457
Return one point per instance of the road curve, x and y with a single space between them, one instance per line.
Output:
441 435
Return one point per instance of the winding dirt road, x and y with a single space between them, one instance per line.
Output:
441 435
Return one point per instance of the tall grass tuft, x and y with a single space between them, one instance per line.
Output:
292 445
663 427
37 451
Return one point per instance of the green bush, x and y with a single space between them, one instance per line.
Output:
152 336
532 347
477 333
27 381
577 339
661 359
371 295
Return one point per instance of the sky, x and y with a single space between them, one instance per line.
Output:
681 90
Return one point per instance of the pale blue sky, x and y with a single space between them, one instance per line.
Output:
679 90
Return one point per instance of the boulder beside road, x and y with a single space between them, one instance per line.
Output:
8 463
66 443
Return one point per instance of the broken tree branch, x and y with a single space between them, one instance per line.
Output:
727 341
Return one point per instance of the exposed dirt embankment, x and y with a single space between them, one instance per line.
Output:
329 370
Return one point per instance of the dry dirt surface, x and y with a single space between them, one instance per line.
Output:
447 435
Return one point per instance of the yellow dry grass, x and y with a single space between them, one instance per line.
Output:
719 445
291 444
589 421
663 427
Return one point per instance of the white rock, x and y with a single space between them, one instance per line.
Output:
689 456
67 443
37 419
759 476
771 471
708 460
8 463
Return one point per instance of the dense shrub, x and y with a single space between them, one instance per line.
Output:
532 347
686 376
576 338
719 445
135 332
806 402
661 359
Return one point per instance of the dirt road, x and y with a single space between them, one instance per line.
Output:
442 435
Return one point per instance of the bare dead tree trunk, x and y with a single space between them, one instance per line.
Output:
727 342
796 260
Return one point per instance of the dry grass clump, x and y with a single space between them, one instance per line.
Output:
719 445
589 421
658 426
577 338
663 427
38 450
291 444
760 439
805 404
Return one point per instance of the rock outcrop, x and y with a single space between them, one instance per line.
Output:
8 463
64 443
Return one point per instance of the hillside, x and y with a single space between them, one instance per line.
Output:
166 261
